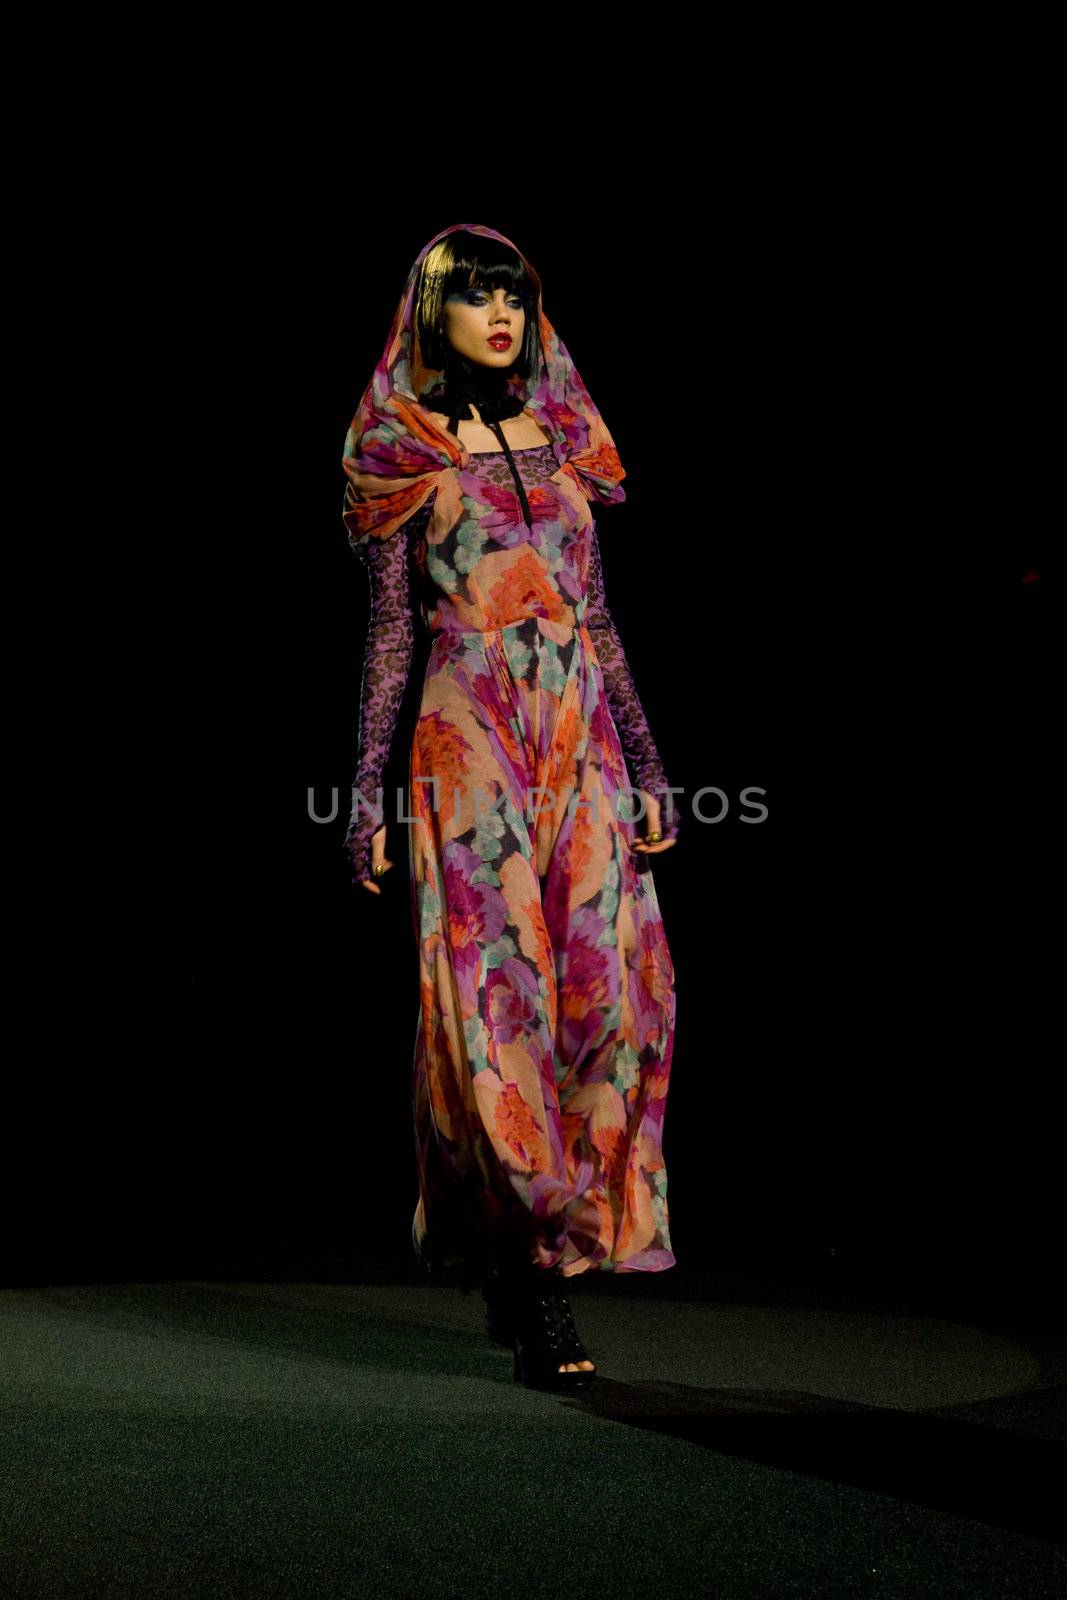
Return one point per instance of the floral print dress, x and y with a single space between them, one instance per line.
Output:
547 998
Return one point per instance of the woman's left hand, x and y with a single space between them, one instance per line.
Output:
652 825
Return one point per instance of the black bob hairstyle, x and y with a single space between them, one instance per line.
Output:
462 261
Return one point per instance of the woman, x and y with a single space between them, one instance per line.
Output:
547 989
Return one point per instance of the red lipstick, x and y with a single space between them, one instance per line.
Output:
500 341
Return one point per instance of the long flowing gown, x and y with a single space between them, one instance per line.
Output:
547 995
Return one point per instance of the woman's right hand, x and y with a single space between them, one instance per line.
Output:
378 859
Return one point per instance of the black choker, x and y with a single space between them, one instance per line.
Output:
488 391
486 387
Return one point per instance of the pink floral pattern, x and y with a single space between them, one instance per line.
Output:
547 996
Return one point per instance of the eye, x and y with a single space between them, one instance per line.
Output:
481 297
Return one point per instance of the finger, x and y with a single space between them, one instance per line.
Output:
379 866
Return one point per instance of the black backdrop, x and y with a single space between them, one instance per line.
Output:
853 1074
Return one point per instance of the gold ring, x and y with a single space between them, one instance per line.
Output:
652 837
378 869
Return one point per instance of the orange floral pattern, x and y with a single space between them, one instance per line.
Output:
547 988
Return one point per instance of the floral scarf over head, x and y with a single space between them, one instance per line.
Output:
396 454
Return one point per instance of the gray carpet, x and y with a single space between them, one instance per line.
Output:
327 1439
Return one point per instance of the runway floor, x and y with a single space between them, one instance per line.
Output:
240 1438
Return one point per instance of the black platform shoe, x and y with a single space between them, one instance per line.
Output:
544 1336
496 1291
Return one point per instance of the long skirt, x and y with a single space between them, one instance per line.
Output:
547 1000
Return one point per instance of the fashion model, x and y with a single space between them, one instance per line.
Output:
547 1014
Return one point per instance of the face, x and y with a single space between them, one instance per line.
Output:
474 317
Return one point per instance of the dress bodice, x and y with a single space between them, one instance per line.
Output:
492 568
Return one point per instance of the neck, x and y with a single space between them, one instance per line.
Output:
466 381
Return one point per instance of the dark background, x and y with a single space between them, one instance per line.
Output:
818 577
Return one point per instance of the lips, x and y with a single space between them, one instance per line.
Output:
500 341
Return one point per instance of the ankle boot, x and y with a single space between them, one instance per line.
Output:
544 1334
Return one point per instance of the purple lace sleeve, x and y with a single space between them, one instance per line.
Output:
638 745
386 663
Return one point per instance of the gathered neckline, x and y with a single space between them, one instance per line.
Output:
521 451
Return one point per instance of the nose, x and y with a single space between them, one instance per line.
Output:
500 308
